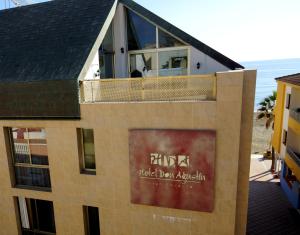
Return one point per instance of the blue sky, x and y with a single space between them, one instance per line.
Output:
241 29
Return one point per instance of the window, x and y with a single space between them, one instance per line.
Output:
107 55
91 220
36 216
152 51
172 63
140 33
30 157
86 151
143 65
284 137
288 101
166 40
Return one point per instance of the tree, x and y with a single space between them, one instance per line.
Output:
266 111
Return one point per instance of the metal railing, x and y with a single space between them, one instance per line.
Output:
177 88
295 156
295 114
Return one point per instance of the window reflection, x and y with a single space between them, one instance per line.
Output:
30 157
141 34
166 40
143 65
173 63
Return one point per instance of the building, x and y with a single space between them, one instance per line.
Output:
287 135
115 121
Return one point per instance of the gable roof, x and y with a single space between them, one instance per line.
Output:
50 40
292 79
182 35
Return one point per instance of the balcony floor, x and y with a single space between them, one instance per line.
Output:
269 210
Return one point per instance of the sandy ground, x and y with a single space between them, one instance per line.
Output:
261 136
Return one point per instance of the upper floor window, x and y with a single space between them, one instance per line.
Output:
166 40
152 51
141 34
144 35
30 157
107 55
86 150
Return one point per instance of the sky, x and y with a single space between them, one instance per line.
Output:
243 30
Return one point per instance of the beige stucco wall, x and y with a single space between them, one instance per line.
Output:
110 188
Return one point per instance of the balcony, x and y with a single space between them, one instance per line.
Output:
292 160
295 114
179 88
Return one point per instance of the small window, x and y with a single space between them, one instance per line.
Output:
288 101
284 137
29 157
36 216
86 151
91 220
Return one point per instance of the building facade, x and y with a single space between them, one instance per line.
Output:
287 134
117 122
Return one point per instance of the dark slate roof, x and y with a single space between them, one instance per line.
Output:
292 79
182 35
51 40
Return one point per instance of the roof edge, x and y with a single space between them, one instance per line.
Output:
222 59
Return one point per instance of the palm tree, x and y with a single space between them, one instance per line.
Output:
266 111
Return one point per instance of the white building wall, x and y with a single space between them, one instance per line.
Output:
207 64
93 68
120 41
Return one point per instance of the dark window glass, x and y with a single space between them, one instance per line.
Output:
30 176
45 216
92 224
30 157
106 55
37 216
108 41
140 33
106 62
284 137
166 40
288 101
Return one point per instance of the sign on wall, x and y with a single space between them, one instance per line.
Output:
173 168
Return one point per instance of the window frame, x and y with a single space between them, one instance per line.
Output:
284 137
30 217
83 169
288 100
86 219
14 164
112 52
157 49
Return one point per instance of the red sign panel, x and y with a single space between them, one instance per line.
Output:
173 168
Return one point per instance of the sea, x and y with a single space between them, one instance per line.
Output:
267 71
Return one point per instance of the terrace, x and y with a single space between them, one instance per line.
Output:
176 88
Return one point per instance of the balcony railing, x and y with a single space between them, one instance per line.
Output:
294 155
295 114
195 87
